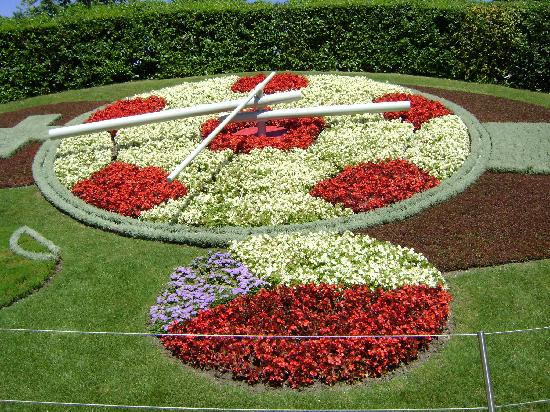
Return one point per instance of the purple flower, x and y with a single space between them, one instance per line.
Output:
208 281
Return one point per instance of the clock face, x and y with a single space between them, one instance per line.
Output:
303 170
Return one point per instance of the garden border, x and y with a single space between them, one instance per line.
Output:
63 199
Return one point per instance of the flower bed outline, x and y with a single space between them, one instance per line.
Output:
57 194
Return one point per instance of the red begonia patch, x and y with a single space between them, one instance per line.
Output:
421 110
281 82
371 185
307 310
128 189
284 134
128 107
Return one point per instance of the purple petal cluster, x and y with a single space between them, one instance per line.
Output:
208 281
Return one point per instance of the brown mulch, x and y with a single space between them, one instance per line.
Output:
493 109
17 170
503 217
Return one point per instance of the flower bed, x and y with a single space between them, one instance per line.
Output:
245 180
371 185
128 189
281 82
322 284
313 310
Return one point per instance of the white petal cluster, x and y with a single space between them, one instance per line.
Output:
329 257
440 146
268 186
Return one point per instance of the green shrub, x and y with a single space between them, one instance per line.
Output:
506 43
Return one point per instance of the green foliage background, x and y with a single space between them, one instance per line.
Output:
504 43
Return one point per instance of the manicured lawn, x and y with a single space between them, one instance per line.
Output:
108 283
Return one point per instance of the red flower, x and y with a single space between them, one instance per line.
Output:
318 310
128 107
280 83
282 134
127 189
421 110
371 185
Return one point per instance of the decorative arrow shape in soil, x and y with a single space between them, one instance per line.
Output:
33 128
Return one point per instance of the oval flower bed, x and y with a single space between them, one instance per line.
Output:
318 289
245 180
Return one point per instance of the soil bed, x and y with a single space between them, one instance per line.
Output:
17 170
503 217
493 109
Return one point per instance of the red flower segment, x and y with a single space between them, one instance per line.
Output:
128 107
371 185
127 189
421 110
281 134
313 310
282 82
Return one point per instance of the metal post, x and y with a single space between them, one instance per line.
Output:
261 124
491 407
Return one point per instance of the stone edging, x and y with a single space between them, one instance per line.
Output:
62 198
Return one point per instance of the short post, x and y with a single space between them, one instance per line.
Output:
491 407
261 124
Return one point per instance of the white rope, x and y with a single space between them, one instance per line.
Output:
185 408
203 335
515 405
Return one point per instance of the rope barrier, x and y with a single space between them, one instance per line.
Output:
185 408
200 335
516 405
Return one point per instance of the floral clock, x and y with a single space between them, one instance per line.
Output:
293 308
303 170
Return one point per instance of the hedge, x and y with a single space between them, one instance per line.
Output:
62 198
505 43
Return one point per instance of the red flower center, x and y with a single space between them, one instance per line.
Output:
242 137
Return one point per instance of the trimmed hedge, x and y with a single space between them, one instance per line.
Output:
62 198
505 43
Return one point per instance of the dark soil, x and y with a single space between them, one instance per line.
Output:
493 109
17 170
503 217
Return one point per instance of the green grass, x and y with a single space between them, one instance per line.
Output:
19 276
108 282
118 91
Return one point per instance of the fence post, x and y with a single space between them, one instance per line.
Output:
491 407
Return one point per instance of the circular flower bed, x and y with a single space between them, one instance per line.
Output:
246 181
318 289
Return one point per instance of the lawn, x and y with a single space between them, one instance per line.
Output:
108 282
